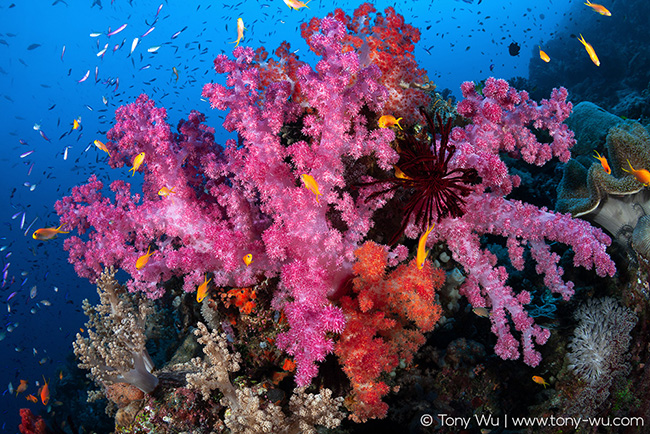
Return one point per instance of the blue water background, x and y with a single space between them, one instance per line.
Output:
37 86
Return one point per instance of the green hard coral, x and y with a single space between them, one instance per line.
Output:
614 201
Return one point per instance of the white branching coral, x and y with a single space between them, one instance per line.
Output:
114 350
247 413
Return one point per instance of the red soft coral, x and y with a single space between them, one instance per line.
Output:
31 424
378 331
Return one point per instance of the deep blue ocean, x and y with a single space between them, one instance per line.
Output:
47 47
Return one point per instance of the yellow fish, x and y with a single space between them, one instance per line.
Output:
296 4
102 146
641 175
175 71
248 259
604 163
590 50
543 55
137 162
388 121
311 184
48 233
599 8
76 124
142 260
399 174
539 380
422 244
202 291
240 31
165 191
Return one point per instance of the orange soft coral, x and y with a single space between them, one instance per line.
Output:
379 331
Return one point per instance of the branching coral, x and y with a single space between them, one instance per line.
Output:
247 413
115 351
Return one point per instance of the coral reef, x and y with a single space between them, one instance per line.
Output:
246 413
299 268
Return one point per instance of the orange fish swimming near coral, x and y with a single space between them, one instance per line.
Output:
240 31
603 162
422 245
137 162
641 175
590 50
539 380
543 55
296 4
387 121
164 191
311 184
202 291
44 234
31 398
102 146
44 392
248 259
142 260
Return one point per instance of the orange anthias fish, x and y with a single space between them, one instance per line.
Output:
311 184
539 380
388 121
399 174
31 398
142 260
44 392
248 259
102 146
603 162
590 50
202 291
599 8
422 244
165 191
137 162
296 4
240 31
76 124
641 175
543 55
21 387
44 234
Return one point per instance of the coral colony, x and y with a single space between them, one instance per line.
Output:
338 283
